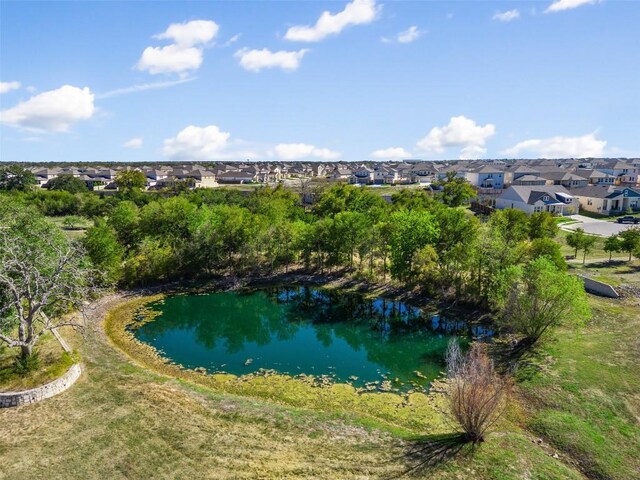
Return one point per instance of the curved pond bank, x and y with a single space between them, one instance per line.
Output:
303 331
412 410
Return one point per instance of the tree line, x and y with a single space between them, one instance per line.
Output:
417 240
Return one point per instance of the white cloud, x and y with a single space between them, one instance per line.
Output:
296 151
507 16
392 153
192 33
560 147
256 60
197 143
232 40
472 152
184 54
358 12
560 5
170 59
143 87
409 35
460 132
133 143
8 86
52 111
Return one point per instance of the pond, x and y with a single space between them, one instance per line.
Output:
305 330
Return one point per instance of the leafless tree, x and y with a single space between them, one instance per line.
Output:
477 395
42 279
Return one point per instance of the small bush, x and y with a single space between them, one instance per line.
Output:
25 365
477 394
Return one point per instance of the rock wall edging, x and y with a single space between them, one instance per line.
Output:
51 389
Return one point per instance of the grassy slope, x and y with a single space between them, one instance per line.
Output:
588 401
122 420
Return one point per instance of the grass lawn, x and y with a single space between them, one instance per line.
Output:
53 363
596 255
588 401
73 226
122 420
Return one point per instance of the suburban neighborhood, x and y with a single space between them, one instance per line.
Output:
561 186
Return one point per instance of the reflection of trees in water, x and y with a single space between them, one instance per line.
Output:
394 335
228 316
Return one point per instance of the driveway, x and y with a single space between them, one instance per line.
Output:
593 226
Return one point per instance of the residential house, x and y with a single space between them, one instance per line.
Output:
486 177
608 200
539 198
529 180
566 179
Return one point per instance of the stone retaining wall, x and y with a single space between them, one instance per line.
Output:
599 288
14 399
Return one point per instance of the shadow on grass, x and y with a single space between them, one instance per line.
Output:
511 356
430 452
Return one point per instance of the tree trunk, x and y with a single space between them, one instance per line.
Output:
26 351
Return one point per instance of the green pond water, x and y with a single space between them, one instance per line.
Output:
304 330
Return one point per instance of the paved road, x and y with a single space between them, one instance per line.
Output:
601 228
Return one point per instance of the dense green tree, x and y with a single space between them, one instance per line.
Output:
493 255
152 263
575 240
612 245
457 236
128 180
92 205
546 247
106 254
174 219
411 231
14 177
67 183
542 225
630 241
410 199
217 196
511 224
237 229
342 198
351 229
54 203
125 220
456 191
579 240
541 298
277 204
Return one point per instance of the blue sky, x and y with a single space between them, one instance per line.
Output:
136 81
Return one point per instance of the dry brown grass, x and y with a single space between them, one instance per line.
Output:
120 421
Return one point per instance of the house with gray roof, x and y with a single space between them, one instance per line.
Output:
554 199
608 200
